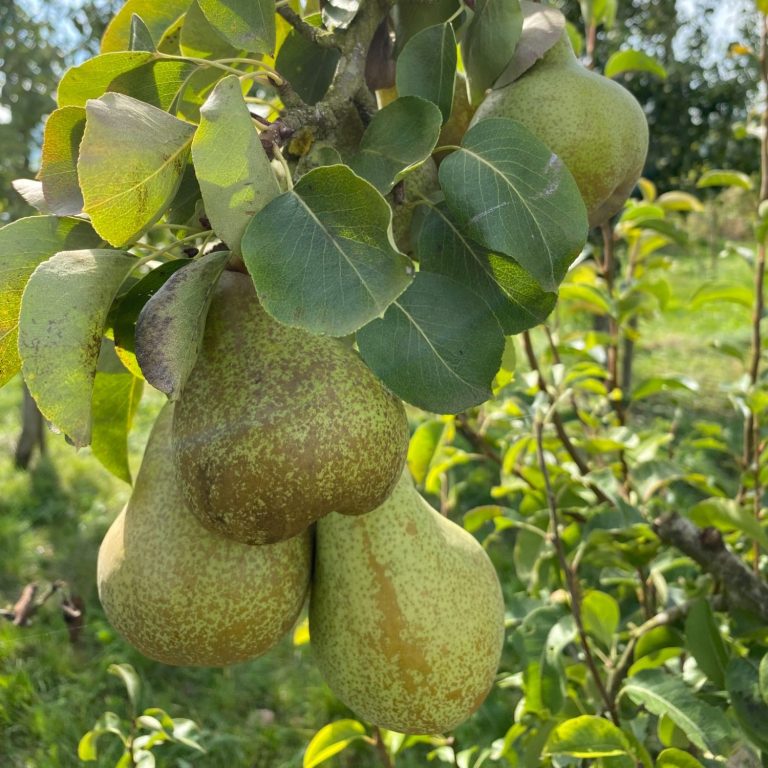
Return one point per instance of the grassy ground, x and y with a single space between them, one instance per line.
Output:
259 714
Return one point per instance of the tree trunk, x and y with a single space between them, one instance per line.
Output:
32 432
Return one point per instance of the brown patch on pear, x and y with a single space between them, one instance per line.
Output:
277 427
183 595
406 615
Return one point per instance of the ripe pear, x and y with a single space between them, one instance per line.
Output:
183 595
277 427
406 615
594 125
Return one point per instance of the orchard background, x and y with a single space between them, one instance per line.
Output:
616 478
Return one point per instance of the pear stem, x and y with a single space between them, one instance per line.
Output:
571 578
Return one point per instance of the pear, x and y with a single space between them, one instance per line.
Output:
406 615
183 595
419 183
461 114
594 125
276 427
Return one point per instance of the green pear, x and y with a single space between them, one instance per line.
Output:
419 183
277 427
594 125
406 615
183 595
457 124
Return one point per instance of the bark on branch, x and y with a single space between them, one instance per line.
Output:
705 546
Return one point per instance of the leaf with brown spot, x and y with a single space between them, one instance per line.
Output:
63 313
23 245
170 327
152 146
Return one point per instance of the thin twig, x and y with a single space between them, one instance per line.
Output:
571 578
317 35
381 748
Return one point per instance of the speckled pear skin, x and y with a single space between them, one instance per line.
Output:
277 427
406 615
593 124
183 595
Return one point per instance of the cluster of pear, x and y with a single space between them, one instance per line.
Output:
278 473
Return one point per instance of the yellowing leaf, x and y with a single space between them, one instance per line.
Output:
63 312
153 149
332 739
157 16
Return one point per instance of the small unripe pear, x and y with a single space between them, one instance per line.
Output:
594 125
183 595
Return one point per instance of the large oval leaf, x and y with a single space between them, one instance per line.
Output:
662 694
152 147
321 255
512 294
233 170
91 79
401 135
170 326
426 67
24 244
63 313
704 641
246 24
438 346
514 196
58 168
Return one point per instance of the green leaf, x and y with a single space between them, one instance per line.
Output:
763 678
63 314
542 28
422 447
511 293
170 327
728 515
200 40
31 191
588 298
633 61
232 168
513 196
58 165
400 136
24 244
676 758
156 16
660 693
489 42
140 35
157 83
601 616
86 748
762 6
126 314
321 255
308 67
246 24
587 737
91 79
704 642
657 384
742 684
152 147
736 294
116 395
680 201
438 346
330 740
426 67
722 178
130 680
